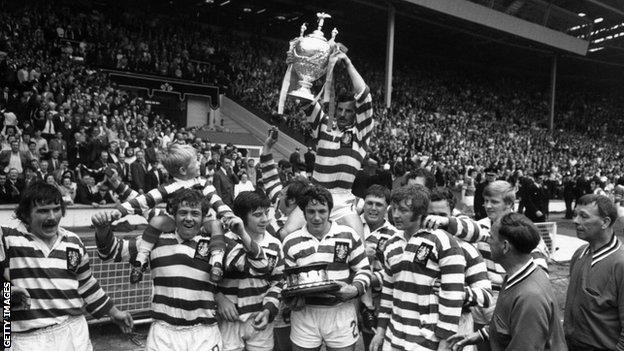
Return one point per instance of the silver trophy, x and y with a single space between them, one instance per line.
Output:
309 56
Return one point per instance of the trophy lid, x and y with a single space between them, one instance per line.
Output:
318 33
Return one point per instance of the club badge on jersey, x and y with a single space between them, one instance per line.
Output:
202 250
73 259
423 252
341 251
347 139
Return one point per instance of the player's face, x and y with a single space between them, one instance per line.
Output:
402 215
317 217
345 114
495 207
439 208
496 243
375 209
588 221
257 221
44 220
192 170
188 220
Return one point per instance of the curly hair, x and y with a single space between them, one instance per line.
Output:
317 193
418 197
190 197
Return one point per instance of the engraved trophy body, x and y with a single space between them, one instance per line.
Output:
309 56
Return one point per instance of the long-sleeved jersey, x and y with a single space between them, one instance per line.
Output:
251 281
58 279
341 249
140 204
339 154
414 316
180 269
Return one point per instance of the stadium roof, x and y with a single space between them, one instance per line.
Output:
419 31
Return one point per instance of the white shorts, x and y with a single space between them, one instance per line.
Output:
71 335
335 325
344 205
166 337
238 336
483 316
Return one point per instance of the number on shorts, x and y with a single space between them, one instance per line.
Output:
354 329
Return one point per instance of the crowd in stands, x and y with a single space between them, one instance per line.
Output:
65 115
65 123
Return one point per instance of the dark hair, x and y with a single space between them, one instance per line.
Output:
296 188
417 194
421 172
317 193
38 194
520 232
606 207
345 98
249 201
443 193
191 197
379 191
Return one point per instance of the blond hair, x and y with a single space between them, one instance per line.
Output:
503 189
176 156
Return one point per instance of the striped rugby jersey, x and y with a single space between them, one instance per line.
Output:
58 279
413 315
273 187
140 204
341 249
376 242
478 234
251 284
478 287
183 293
339 154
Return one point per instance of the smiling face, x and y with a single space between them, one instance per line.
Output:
257 220
44 221
375 209
495 207
317 217
188 220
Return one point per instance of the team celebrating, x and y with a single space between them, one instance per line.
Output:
412 273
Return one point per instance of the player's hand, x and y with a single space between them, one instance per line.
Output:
435 222
338 56
539 214
102 219
435 288
122 319
226 308
235 224
20 298
346 292
376 342
458 341
261 320
269 142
